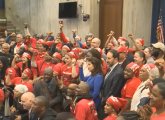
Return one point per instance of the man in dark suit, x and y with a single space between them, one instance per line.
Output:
114 79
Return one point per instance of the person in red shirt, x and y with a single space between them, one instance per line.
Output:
139 58
42 64
57 61
25 79
70 70
10 74
1 97
84 107
132 82
157 100
41 50
30 42
25 63
113 106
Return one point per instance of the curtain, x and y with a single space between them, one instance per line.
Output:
157 10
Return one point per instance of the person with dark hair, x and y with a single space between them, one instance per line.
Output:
25 63
139 58
40 107
114 79
94 80
92 53
70 70
158 50
48 86
45 63
3 67
25 79
149 58
84 105
157 100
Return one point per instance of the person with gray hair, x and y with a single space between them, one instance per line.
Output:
96 42
17 110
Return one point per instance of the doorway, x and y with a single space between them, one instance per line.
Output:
111 14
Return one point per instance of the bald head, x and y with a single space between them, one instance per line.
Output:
95 43
72 86
28 96
71 89
48 74
83 88
48 70
26 100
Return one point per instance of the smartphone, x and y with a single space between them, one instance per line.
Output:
60 22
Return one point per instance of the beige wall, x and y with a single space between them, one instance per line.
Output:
137 18
42 16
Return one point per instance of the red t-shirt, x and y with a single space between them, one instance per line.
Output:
1 96
18 80
158 117
66 74
111 117
57 68
130 87
41 65
39 56
85 110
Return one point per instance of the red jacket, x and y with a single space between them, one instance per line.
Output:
85 110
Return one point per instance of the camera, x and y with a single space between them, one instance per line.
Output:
85 17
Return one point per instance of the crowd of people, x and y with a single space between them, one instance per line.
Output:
57 78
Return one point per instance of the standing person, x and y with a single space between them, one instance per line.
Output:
142 92
149 58
45 63
26 101
40 107
16 109
19 43
113 107
157 100
132 82
84 105
47 86
114 79
70 70
25 63
3 67
25 79
139 58
95 80
5 52
2 41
